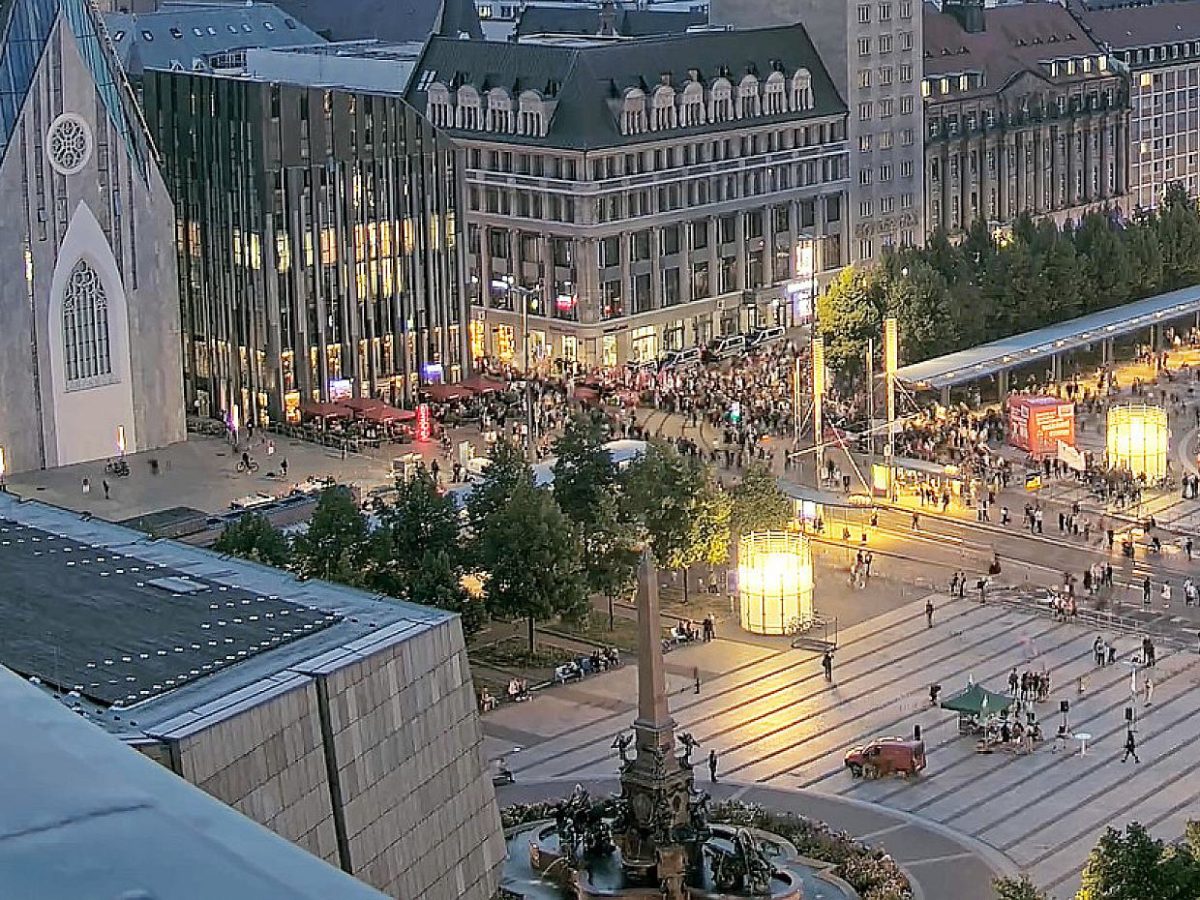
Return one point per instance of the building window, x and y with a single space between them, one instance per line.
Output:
885 172
885 140
85 329
906 40
885 107
906 137
906 168
885 76
906 9
864 177
906 105
68 144
864 112
864 78
864 46
864 143
864 209
864 13
865 250
885 12
885 43
905 72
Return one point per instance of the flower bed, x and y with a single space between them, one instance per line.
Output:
871 872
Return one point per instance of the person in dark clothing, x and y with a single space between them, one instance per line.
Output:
712 766
929 613
827 665
1130 747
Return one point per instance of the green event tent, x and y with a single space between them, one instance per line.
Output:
977 701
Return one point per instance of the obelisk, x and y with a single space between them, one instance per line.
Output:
653 726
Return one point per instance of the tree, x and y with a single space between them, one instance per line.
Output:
850 312
252 537
1017 889
1105 262
683 512
1178 228
757 504
918 296
613 552
419 550
529 553
1135 866
506 471
337 545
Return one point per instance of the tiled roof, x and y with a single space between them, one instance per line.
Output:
1144 24
386 20
584 76
627 22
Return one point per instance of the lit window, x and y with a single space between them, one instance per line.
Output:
86 349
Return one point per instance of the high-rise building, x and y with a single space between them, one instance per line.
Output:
89 311
873 50
1159 44
318 242
629 197
1023 113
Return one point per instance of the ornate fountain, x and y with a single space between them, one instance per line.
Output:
654 839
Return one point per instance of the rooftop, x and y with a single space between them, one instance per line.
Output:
582 76
1019 38
371 66
154 637
1123 25
626 21
86 816
179 35
985 360
386 20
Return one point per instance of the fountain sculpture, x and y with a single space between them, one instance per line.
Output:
654 839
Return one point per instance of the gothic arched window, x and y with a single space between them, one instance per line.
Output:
85 329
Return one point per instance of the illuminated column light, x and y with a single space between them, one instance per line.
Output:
775 582
1138 440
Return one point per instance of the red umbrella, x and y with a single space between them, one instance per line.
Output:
326 411
484 384
440 393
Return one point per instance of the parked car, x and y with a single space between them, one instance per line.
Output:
886 756
760 337
679 358
725 347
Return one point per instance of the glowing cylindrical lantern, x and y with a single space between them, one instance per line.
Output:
775 582
1138 440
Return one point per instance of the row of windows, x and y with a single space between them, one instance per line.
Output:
883 77
884 140
883 44
1183 50
887 205
883 108
866 246
885 172
1056 193
208 30
883 11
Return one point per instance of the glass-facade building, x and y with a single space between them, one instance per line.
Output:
319 252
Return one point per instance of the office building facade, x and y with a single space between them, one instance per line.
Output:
1159 45
1023 112
625 198
318 243
873 50
89 316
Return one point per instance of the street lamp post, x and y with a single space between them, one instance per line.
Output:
524 294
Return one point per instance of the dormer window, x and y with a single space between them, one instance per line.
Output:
500 110
531 115
720 108
802 95
633 112
469 112
437 105
774 95
691 107
748 103
663 108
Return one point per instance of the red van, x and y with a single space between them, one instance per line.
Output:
886 756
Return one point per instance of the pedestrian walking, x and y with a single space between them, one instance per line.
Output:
1013 681
1130 747
827 665
283 467
87 487
1146 590
1148 686
696 677
916 521
712 766
929 613
1187 548
104 484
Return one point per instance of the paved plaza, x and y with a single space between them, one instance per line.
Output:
777 724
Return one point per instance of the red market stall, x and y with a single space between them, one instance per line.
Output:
326 411
1037 424
484 384
444 393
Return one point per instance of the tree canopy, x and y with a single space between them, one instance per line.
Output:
1132 865
758 504
252 537
337 545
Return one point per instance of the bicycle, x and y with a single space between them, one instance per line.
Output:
244 466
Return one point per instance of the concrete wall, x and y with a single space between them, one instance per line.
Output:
386 750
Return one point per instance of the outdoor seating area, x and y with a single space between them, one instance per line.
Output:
1000 722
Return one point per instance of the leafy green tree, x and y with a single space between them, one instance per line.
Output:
507 470
1017 889
613 551
758 504
337 545
252 537
918 296
529 553
1105 261
850 312
1145 259
420 551
1065 284
1135 866
682 509
1178 228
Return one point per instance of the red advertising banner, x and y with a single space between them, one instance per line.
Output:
1037 424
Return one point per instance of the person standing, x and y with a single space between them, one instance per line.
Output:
1149 689
1013 681
87 487
104 484
929 613
696 677
712 766
1146 591
827 665
1130 747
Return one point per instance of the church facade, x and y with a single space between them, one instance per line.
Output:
89 301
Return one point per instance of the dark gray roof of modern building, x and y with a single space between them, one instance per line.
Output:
386 20
154 637
85 816
587 19
584 75
1122 25
177 35
1017 38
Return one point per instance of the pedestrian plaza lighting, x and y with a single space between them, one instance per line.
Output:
1138 440
775 582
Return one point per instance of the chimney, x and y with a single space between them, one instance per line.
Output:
608 15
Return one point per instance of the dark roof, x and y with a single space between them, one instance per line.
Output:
168 38
85 816
584 76
120 630
586 20
1129 26
1017 39
386 20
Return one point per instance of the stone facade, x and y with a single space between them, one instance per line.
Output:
89 313
1023 114
372 761
703 195
873 51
